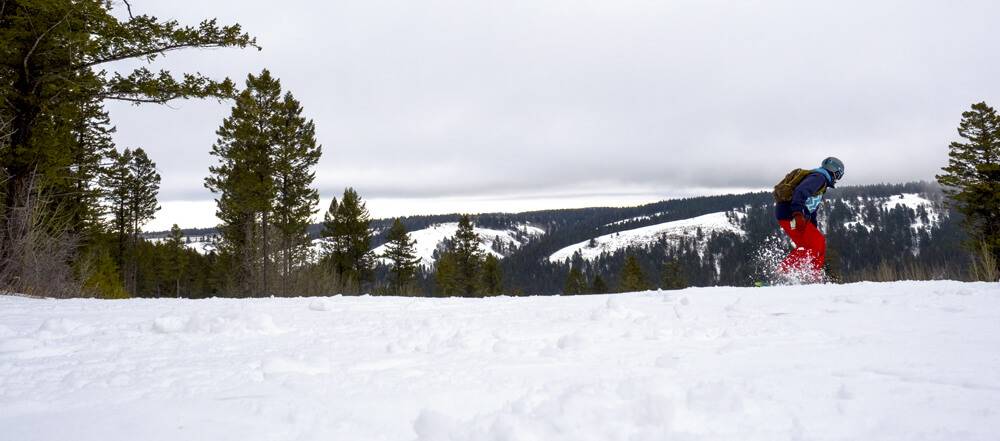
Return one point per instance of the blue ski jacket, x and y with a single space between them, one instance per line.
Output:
807 196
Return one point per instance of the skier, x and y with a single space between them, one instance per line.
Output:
797 198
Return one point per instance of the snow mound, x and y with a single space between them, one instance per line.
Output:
719 222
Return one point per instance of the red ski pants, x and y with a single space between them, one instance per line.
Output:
810 248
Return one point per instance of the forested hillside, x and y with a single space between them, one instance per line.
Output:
876 232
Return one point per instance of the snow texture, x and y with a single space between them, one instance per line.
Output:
894 361
610 243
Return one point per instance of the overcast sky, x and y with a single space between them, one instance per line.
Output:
444 106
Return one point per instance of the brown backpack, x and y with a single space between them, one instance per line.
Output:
784 190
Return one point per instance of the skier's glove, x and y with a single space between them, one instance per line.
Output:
799 221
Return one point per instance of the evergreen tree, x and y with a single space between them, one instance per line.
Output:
132 184
266 153
143 185
491 276
576 283
400 252
92 145
348 236
598 286
295 156
446 275
972 178
632 278
177 258
673 275
468 257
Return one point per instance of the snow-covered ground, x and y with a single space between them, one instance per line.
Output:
428 239
897 361
610 243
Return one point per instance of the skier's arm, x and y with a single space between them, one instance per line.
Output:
809 186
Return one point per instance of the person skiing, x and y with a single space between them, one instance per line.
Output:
797 200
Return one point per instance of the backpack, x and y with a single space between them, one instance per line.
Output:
786 188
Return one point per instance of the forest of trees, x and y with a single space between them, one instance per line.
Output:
74 205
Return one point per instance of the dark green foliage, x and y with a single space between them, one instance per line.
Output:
972 178
673 276
266 153
348 241
468 257
176 257
632 278
295 155
131 183
598 286
401 255
102 279
446 275
576 283
491 276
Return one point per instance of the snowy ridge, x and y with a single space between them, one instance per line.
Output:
912 201
719 222
872 361
429 240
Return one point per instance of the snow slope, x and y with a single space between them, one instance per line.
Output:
610 243
897 361
428 239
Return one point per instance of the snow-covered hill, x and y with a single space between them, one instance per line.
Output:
729 221
686 228
896 361
430 239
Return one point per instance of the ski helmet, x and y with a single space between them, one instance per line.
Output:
835 167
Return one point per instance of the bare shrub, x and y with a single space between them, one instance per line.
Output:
37 248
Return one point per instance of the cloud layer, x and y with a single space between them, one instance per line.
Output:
458 99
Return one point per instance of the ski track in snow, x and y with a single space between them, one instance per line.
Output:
895 361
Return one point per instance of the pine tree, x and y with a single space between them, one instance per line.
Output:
972 178
446 275
92 145
143 185
598 286
295 156
576 283
177 258
266 152
673 275
468 257
632 278
491 276
348 235
401 253
131 184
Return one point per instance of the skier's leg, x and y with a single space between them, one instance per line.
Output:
815 245
795 259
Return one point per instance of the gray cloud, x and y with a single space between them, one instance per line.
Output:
455 98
